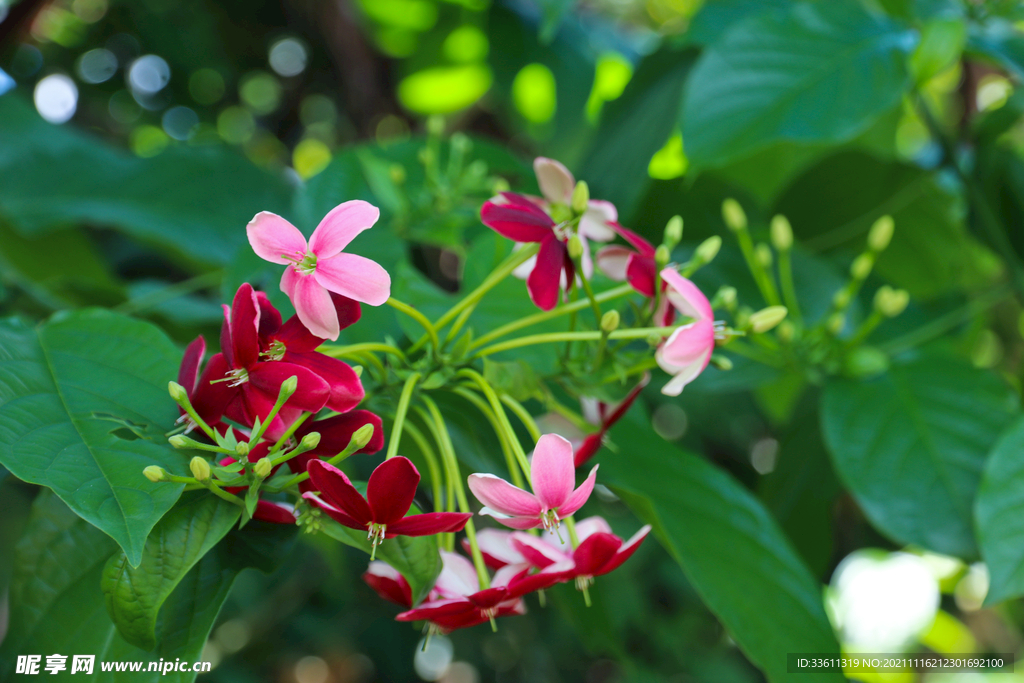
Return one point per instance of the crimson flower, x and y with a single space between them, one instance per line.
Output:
389 584
335 434
636 266
606 416
209 399
389 495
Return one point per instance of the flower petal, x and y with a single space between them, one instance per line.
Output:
544 282
597 221
311 392
590 446
687 344
391 488
211 398
429 523
686 296
346 389
333 512
388 583
591 525
336 432
339 492
312 304
496 547
521 523
641 272
613 260
547 577
552 471
270 317
537 552
356 277
245 326
555 181
340 226
267 511
458 576
595 552
579 496
274 239
683 375
503 497
627 549
296 337
642 246
438 609
188 372
518 221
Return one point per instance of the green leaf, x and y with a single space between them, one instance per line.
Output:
999 516
515 378
83 410
184 535
729 546
998 41
910 445
821 72
717 16
191 201
415 558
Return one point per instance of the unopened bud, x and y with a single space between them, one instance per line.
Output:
861 266
242 448
654 340
674 231
721 362
426 156
767 318
881 233
836 323
733 215
841 299
179 441
662 255
786 331
362 436
310 441
500 185
865 361
782 233
610 321
727 297
435 125
177 392
263 467
575 247
154 473
460 142
580 196
288 388
764 254
200 468
708 249
891 302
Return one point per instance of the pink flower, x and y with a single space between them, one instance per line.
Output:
553 480
626 265
687 352
319 267
496 547
557 185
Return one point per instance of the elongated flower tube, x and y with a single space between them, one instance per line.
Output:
688 350
553 479
318 267
382 513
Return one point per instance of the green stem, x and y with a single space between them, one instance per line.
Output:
943 324
431 458
644 366
351 448
355 349
499 413
594 305
753 353
764 282
788 289
418 317
506 448
636 333
220 493
400 411
459 323
523 415
289 432
866 328
170 292
254 438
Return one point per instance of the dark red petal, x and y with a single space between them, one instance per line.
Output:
349 310
590 446
212 398
544 281
311 392
428 523
189 370
391 488
624 406
625 552
270 317
398 592
489 597
338 491
334 513
245 322
641 273
345 386
296 337
225 336
438 609
639 243
267 511
527 583
335 433
519 222
595 552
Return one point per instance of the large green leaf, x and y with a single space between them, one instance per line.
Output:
727 543
820 72
910 445
83 410
182 538
194 201
999 41
999 516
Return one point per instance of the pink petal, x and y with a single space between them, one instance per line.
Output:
687 344
555 180
245 325
579 496
391 488
346 389
340 226
627 549
552 471
686 296
353 276
683 375
595 552
545 278
333 512
496 547
590 526
429 523
537 552
458 576
612 261
597 221
274 239
503 497
507 574
339 492
311 392
521 523
388 583
312 304
189 370
547 577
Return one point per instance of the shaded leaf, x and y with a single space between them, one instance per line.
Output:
999 516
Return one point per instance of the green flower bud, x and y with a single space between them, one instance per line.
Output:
865 361
200 468
708 249
841 299
358 369
435 125
836 323
179 441
177 392
500 185
861 266
154 473
891 302
726 297
362 436
460 143
610 321
654 340
310 441
881 233
662 255
575 247
786 331
782 233
673 231
288 388
733 215
767 318
263 467
764 254
242 448
721 362
580 196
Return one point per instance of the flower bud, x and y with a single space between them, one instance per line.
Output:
721 362
575 247
881 233
764 254
310 441
786 331
782 233
242 448
891 302
662 255
654 340
610 321
263 467
673 231
708 249
460 143
861 266
179 441
154 473
726 297
288 388
865 361
200 468
767 318
435 125
362 436
580 196
177 392
841 299
836 323
500 185
733 215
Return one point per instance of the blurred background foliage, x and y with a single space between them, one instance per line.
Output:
139 136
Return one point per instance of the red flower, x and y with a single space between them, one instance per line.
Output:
496 547
382 512
389 584
335 434
626 265
209 400
266 510
607 417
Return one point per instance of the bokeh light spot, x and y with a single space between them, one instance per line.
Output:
261 91
415 15
670 161
466 44
611 75
179 122
6 82
123 108
89 11
236 125
442 90
433 657
669 421
993 91
312 670
56 98
206 86
534 93
310 157
288 57
397 42
97 66
317 109
27 61
148 141
149 74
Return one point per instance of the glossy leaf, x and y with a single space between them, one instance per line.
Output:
999 516
83 410
910 446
